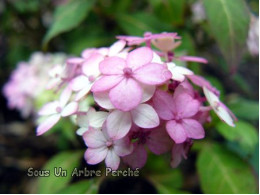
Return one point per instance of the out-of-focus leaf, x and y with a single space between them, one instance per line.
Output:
67 161
243 133
170 11
82 187
223 172
138 23
67 17
169 182
244 109
229 22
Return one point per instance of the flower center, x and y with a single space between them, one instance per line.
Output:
109 144
127 72
58 109
91 79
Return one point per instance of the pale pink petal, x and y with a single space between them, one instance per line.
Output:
82 120
193 59
145 116
176 131
49 108
193 129
162 102
106 82
75 60
47 124
148 91
118 124
97 119
95 155
159 141
126 95
112 160
139 57
81 131
83 92
112 66
152 74
69 109
185 105
91 66
79 82
116 47
94 138
123 147
88 52
137 159
65 96
102 99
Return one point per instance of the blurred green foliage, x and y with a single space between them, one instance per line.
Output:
225 158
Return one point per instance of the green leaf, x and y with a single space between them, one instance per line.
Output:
138 23
67 161
245 109
243 133
223 172
82 187
229 23
67 17
170 11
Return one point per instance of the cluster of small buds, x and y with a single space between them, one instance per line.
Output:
28 80
142 100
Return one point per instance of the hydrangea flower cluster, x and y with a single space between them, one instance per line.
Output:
143 100
29 80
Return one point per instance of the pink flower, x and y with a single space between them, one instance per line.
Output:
55 110
178 72
122 78
102 147
178 111
157 140
180 151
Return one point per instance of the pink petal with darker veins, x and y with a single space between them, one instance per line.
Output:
47 124
152 74
126 95
139 57
185 105
176 131
118 124
138 158
123 147
106 83
162 102
112 65
112 160
193 129
94 138
95 155
145 116
159 141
